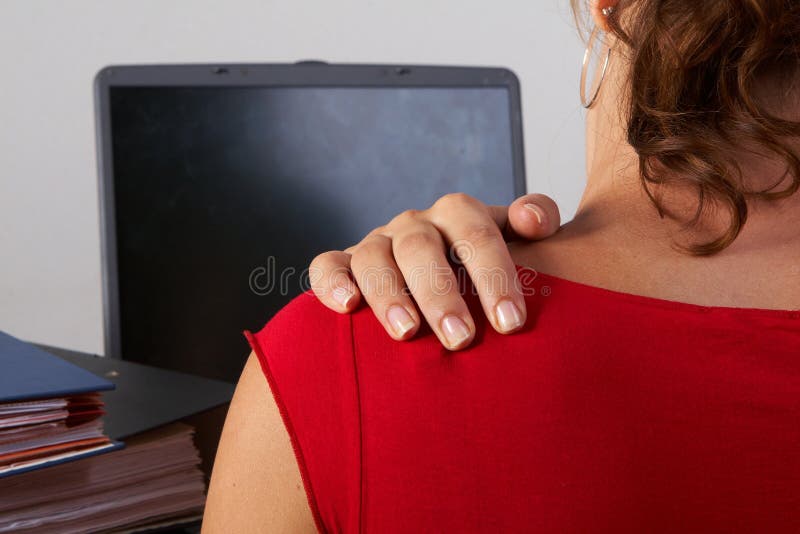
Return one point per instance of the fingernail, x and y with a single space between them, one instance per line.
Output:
455 331
539 212
508 316
342 295
400 320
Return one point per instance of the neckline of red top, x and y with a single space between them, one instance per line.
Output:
535 282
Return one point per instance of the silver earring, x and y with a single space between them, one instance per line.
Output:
587 103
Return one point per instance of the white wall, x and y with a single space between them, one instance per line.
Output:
50 50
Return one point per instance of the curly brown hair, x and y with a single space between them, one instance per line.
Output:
692 99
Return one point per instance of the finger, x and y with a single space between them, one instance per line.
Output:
383 287
331 281
420 254
499 215
476 241
533 217
380 230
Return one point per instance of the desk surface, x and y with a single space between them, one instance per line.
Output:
146 397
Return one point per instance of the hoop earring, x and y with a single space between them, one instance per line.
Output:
586 56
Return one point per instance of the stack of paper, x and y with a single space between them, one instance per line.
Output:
52 477
154 481
44 431
50 410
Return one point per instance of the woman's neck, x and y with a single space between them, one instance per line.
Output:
615 198
618 240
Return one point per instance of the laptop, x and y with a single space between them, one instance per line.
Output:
220 183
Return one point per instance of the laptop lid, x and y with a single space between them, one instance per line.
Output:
220 183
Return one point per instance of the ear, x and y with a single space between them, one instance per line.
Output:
600 9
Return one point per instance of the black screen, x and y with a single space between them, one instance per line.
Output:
221 192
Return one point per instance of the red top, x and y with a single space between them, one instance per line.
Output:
610 413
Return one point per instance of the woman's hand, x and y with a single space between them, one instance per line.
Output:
406 261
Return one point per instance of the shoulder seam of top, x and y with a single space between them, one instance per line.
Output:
361 479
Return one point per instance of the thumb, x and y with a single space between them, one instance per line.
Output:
532 217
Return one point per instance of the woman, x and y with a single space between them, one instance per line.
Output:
653 383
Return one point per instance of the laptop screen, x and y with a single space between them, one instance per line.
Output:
223 195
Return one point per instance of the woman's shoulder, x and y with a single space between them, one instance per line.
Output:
306 355
303 327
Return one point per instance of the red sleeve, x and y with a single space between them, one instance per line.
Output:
306 353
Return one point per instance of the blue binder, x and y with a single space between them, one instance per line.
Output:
27 373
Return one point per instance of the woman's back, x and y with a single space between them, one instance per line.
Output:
610 412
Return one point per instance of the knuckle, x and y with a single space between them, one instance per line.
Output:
416 241
439 303
377 278
480 235
380 230
404 219
452 201
432 285
369 249
380 284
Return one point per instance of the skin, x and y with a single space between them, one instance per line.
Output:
256 484
616 241
414 245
